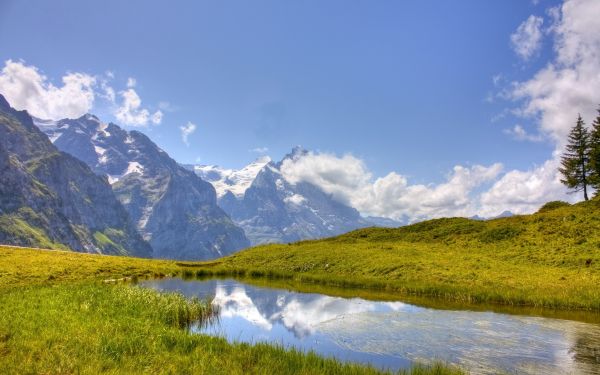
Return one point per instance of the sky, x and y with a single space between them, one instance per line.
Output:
412 109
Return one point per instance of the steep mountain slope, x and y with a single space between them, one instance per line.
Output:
273 210
51 199
175 210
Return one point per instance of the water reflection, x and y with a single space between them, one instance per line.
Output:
393 335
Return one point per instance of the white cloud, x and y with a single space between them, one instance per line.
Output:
525 191
569 84
131 82
106 91
497 78
520 134
342 177
349 181
156 117
527 40
26 88
260 150
553 97
130 112
186 131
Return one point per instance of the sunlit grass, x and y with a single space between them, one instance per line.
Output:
63 313
550 259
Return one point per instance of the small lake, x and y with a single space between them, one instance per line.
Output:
394 335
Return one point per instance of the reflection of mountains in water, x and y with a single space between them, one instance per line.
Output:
483 342
299 313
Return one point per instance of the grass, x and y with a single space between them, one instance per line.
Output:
62 313
18 228
58 316
550 259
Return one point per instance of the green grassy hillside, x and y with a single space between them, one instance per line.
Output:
63 313
59 315
550 259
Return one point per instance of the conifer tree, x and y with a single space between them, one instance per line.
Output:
576 159
595 154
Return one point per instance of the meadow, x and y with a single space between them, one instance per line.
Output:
550 259
64 313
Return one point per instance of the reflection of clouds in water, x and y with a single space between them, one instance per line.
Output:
392 334
482 342
237 303
303 317
299 313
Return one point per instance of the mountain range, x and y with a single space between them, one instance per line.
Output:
272 210
51 199
173 209
92 186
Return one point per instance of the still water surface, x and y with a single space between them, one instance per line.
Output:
394 335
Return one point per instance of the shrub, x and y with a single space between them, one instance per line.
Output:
500 234
553 206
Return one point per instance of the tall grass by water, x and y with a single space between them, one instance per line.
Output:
550 259
64 313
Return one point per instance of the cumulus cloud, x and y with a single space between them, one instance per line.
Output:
525 191
527 40
340 176
349 181
568 85
26 88
520 134
130 111
552 98
187 130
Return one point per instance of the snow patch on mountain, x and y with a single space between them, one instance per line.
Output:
134 167
295 199
232 180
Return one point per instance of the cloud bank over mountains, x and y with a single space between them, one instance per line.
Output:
551 99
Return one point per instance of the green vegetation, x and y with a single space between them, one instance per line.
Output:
60 314
595 153
552 206
106 244
575 162
549 259
580 163
19 229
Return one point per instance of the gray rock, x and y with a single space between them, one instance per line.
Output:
174 209
51 199
272 210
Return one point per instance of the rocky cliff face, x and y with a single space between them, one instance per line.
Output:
174 209
51 199
273 210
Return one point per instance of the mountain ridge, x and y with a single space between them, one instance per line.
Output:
51 198
273 210
174 209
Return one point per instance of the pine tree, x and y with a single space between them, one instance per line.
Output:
576 159
595 154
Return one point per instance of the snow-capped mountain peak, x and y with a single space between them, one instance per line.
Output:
232 180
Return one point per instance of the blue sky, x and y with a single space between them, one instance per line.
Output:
401 84
415 87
